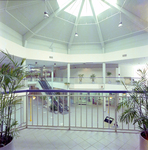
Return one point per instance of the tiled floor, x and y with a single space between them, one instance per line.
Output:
45 139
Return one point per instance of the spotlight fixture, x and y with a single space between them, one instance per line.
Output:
44 66
46 15
76 34
120 24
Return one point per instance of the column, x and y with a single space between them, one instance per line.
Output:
68 73
118 73
104 73
68 81
52 70
24 81
41 72
104 81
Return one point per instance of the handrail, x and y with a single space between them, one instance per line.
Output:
73 91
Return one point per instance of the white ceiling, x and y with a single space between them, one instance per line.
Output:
27 18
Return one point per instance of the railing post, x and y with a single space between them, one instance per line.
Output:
69 107
26 110
116 103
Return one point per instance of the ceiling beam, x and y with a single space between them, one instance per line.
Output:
43 23
98 26
74 27
138 21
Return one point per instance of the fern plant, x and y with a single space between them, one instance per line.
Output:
11 75
136 106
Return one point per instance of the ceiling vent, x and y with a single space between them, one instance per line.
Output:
124 55
51 57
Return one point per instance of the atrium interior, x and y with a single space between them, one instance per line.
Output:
76 45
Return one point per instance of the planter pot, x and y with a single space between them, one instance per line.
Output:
143 143
109 82
9 146
56 112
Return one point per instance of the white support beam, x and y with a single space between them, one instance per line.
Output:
24 43
46 21
98 26
74 27
138 21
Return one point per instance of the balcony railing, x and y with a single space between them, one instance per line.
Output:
72 109
87 80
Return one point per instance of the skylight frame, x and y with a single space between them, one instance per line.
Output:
98 5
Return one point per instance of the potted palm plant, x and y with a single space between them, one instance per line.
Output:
11 75
118 81
80 77
136 108
109 74
93 76
67 84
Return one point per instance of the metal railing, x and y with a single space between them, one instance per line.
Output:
87 80
74 109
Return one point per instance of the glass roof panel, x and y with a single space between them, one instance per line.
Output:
86 11
74 8
111 1
98 5
62 2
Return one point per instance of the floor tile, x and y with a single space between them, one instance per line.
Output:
84 144
77 147
91 141
91 148
43 139
98 145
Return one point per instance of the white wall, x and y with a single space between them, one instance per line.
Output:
86 49
86 71
46 46
28 53
127 71
127 43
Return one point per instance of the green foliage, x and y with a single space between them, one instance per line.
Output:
109 73
53 107
93 76
11 75
80 77
67 83
136 106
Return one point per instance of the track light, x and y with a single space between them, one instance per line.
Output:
46 15
76 34
120 24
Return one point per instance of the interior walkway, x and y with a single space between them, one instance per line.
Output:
45 139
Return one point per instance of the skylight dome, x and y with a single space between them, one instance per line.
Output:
98 5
